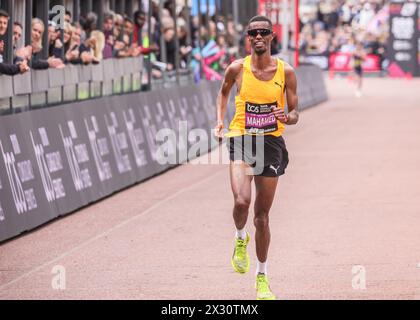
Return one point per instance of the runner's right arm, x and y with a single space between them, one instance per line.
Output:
222 99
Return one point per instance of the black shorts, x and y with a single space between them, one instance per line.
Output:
358 71
267 155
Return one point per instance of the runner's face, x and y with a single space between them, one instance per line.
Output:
260 43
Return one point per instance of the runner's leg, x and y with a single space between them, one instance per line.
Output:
241 188
265 191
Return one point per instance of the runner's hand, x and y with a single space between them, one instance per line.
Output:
218 131
279 114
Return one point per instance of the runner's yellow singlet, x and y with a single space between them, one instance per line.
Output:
253 103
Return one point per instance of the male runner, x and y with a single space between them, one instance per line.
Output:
359 56
262 84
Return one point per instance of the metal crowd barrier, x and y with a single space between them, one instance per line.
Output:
40 88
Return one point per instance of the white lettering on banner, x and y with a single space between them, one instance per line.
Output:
198 112
136 138
320 61
403 56
103 146
99 149
59 188
403 28
25 170
72 129
211 103
1 214
81 178
54 161
160 116
181 131
44 137
402 45
151 132
171 143
30 199
190 115
47 164
118 143
24 200
341 61
15 144
81 153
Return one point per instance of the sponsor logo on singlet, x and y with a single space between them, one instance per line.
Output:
259 118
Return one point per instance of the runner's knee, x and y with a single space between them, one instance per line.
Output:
261 221
242 204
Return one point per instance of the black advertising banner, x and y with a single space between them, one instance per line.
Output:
54 161
403 40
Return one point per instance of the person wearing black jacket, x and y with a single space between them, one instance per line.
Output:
36 39
7 68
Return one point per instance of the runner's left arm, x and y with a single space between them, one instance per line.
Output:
291 95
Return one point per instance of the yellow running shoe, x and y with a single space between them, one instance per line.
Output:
240 257
263 289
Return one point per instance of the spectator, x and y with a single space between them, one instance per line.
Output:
109 37
98 45
366 15
20 66
118 26
4 21
55 45
89 24
139 22
17 34
169 37
81 50
184 48
23 54
36 42
67 17
70 48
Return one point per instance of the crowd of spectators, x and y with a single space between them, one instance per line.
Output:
339 25
85 42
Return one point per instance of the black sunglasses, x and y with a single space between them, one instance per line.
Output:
262 32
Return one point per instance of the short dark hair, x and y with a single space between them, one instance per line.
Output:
108 16
17 23
260 18
127 19
68 13
4 14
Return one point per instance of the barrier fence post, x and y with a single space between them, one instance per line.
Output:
177 58
199 36
189 33
76 10
236 21
8 54
149 35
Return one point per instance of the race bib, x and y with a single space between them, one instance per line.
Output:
259 118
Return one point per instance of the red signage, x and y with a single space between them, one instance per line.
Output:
342 62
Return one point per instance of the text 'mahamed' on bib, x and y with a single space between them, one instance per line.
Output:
259 118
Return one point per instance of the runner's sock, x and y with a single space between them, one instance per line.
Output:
261 267
241 234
